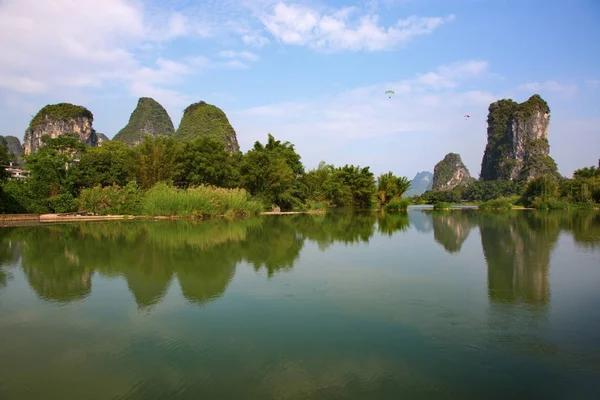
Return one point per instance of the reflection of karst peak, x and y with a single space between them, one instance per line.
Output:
420 220
517 250
451 229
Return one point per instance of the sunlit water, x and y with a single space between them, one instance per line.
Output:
461 305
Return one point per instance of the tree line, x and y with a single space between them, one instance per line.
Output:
64 175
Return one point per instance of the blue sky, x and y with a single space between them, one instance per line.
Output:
315 72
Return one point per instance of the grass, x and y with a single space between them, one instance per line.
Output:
397 205
198 202
441 205
501 203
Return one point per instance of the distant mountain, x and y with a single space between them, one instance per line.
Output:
14 147
420 184
148 118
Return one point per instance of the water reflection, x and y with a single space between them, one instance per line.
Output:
451 228
59 261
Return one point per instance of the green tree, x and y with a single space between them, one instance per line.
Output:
155 160
112 163
204 160
390 186
51 167
272 172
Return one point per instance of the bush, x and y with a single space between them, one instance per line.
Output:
111 200
397 205
316 205
62 203
498 204
441 205
201 201
549 204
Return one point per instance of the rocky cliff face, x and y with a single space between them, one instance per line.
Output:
202 119
148 118
450 172
517 147
57 120
421 183
13 145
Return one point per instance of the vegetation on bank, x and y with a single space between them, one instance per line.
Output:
200 178
161 176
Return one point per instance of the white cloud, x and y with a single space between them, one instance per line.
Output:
548 86
357 126
65 46
593 83
301 25
257 41
238 54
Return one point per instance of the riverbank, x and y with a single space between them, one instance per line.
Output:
8 220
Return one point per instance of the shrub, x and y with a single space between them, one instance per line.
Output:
62 203
498 204
441 205
397 205
113 200
200 201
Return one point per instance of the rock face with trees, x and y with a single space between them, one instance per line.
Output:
517 141
450 173
148 118
203 119
57 120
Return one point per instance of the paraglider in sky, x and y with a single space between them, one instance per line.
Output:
390 93
467 116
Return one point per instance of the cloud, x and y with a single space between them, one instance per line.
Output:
363 126
67 45
238 54
336 31
548 86
257 41
593 83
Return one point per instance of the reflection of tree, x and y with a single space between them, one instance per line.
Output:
388 223
275 245
451 228
517 249
343 227
9 252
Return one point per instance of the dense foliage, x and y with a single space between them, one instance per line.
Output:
161 176
202 119
59 112
148 118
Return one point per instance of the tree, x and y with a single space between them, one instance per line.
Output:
112 163
155 158
390 186
204 160
272 173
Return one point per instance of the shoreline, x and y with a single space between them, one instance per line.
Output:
13 220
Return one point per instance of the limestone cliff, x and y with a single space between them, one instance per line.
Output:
202 119
57 120
13 145
148 118
517 141
449 173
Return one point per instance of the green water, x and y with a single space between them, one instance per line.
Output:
461 305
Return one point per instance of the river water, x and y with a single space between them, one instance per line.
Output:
459 304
